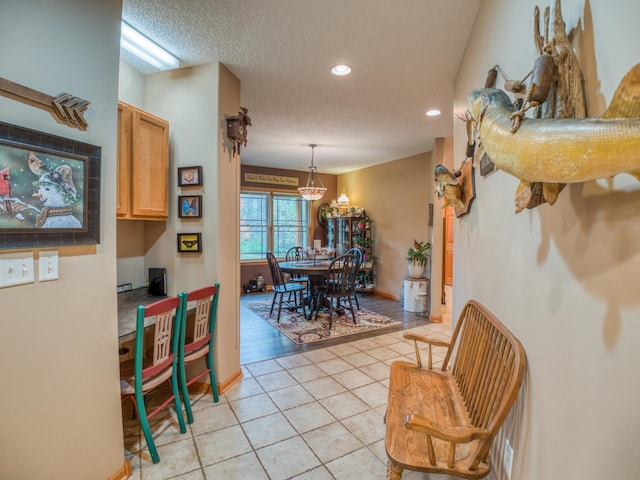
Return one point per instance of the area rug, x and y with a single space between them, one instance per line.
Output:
300 330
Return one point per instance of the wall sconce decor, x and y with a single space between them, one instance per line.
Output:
237 129
311 191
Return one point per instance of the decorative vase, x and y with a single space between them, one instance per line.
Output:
416 269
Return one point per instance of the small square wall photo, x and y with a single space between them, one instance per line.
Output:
189 176
189 242
190 206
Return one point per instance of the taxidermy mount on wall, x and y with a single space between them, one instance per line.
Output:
558 146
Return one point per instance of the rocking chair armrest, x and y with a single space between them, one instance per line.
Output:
448 434
429 341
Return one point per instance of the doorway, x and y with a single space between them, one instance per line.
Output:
447 251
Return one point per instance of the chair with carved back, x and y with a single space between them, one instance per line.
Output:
199 309
297 254
281 288
144 374
339 284
358 254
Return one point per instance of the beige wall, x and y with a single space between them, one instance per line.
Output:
397 196
60 405
563 278
194 101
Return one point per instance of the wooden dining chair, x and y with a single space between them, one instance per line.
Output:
297 254
282 288
356 252
143 374
340 275
198 342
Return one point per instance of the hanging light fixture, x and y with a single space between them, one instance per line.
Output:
311 191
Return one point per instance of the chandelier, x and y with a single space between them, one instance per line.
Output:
311 191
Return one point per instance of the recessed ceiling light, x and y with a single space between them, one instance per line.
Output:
341 70
433 113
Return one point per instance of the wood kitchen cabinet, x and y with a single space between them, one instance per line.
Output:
143 165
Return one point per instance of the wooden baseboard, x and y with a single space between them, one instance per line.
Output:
435 319
124 473
387 295
205 387
229 382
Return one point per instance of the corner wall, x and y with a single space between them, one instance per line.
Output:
397 196
195 101
563 278
60 412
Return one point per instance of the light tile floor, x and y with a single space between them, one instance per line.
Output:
309 416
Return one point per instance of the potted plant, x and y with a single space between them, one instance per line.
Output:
368 261
417 258
363 242
364 222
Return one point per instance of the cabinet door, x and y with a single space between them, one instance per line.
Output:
149 166
123 197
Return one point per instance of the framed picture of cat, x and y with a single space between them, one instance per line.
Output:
190 206
189 176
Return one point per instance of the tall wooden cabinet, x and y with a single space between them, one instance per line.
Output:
143 165
344 233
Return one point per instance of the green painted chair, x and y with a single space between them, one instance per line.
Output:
143 374
198 342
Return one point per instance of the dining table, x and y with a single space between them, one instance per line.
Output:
316 271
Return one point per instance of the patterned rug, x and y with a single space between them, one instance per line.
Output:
300 330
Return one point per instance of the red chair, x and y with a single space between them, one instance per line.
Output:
199 342
143 374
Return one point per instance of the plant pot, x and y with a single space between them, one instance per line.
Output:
416 269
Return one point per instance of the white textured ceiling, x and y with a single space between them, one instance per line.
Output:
404 55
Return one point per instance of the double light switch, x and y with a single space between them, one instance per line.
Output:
19 268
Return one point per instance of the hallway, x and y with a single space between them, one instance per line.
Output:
312 413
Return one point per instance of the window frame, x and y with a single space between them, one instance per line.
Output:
271 194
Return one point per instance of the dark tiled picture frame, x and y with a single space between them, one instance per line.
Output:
53 152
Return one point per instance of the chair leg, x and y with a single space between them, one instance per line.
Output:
212 378
175 389
280 305
273 302
353 315
318 305
146 429
355 296
185 392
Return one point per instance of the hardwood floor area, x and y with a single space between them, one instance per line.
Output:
260 341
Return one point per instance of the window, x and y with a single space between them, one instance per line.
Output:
272 221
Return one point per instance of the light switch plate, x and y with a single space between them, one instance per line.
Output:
48 265
16 269
507 458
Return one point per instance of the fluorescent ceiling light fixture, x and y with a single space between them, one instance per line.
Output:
341 70
145 49
433 113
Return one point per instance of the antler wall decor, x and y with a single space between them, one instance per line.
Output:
65 107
